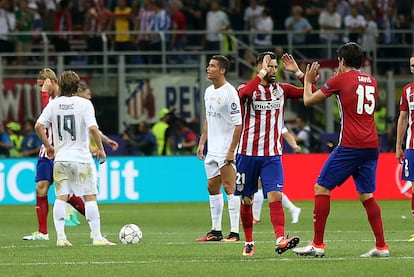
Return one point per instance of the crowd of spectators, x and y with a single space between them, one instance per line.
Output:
308 22
171 135
131 23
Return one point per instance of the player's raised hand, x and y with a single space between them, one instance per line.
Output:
289 63
265 63
312 72
47 86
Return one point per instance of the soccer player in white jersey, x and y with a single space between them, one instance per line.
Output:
259 152
258 197
221 131
48 82
405 126
73 119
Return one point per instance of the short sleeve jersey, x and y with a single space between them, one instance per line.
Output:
46 99
71 118
356 93
407 105
222 114
263 116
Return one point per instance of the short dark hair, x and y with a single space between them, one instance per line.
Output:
223 62
352 54
261 56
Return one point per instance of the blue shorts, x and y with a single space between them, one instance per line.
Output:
44 170
408 166
250 168
344 162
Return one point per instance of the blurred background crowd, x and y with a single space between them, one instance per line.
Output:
135 25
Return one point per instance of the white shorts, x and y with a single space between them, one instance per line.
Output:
213 163
75 178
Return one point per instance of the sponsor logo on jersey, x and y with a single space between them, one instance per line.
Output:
266 105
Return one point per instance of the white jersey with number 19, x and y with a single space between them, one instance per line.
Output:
71 118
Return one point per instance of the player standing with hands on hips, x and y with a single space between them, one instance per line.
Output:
221 131
357 152
405 121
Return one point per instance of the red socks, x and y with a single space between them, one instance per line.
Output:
246 214
320 215
374 217
277 217
77 203
42 210
412 204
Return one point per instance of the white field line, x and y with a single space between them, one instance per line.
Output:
294 259
50 243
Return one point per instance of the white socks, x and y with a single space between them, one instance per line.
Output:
93 218
287 203
258 199
216 211
234 212
59 212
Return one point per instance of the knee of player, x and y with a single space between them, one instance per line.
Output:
247 200
321 190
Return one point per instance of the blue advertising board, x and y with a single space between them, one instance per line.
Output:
121 180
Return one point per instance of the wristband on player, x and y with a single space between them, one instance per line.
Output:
298 73
264 72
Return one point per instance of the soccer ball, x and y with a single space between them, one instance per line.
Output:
130 234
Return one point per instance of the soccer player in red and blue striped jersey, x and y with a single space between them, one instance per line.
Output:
405 126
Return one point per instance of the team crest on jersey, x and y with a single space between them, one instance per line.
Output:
218 100
277 92
240 187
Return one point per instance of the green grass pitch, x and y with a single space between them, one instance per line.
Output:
168 247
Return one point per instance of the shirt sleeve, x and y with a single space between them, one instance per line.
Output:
235 110
90 119
403 100
45 117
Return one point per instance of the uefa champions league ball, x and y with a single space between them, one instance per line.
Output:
130 234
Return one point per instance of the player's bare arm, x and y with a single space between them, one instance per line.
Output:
40 131
235 141
100 153
290 139
402 125
111 143
202 141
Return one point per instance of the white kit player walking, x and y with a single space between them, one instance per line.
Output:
221 131
73 119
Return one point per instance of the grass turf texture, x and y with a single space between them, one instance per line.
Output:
168 247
